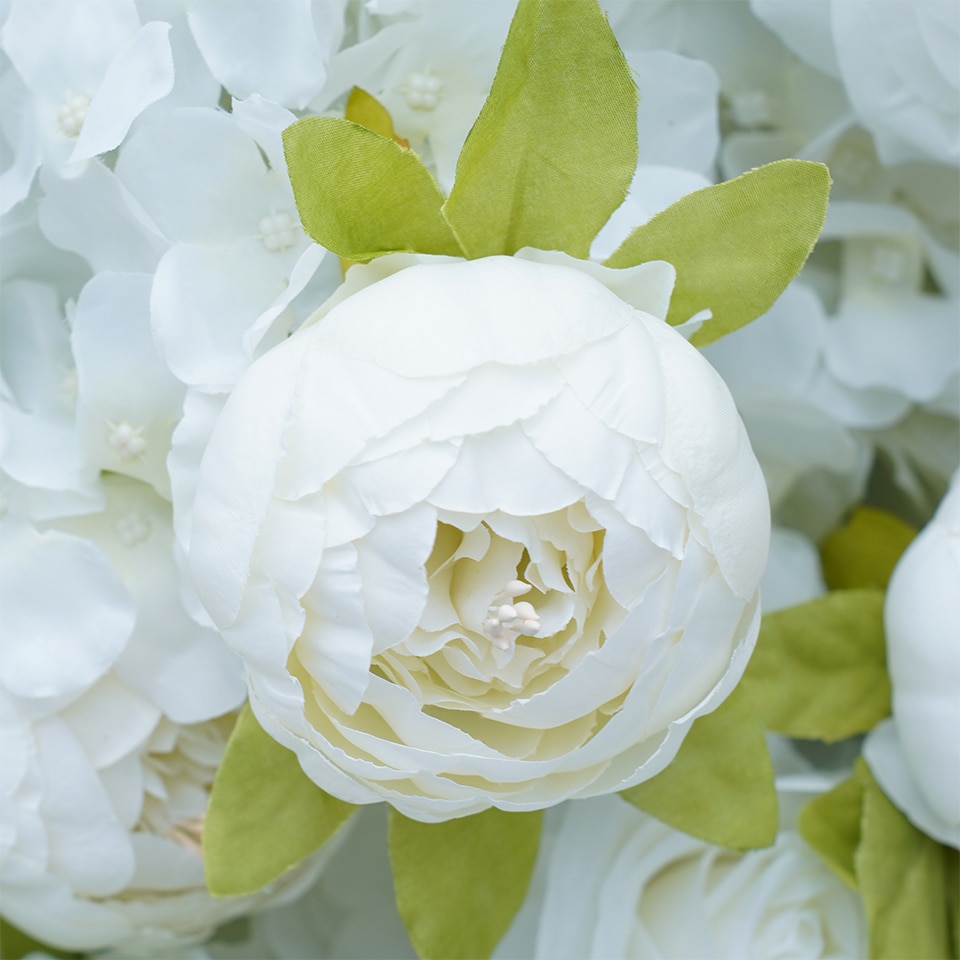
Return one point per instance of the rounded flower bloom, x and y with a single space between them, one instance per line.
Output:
484 534
915 755
621 884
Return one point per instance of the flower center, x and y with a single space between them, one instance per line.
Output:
72 113
504 617
127 440
278 231
133 528
750 109
422 91
69 384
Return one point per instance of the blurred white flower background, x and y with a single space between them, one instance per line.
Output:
430 594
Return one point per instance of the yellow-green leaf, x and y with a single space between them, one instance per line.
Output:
819 670
864 551
362 195
736 245
720 785
369 112
830 823
460 882
903 880
554 149
264 814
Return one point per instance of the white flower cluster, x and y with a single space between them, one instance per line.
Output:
433 539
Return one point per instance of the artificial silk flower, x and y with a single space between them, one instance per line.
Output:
484 534
897 62
814 465
82 73
622 884
915 756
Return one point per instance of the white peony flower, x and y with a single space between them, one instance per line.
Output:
622 884
916 755
114 712
483 534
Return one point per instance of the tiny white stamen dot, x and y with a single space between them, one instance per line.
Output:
278 231
133 528
750 109
888 263
127 440
422 91
69 384
72 113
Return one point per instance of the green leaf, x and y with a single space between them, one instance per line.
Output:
362 195
554 149
830 823
720 786
819 670
736 245
264 814
864 551
14 944
369 112
902 875
460 882
952 857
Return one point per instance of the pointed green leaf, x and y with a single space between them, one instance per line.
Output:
554 149
369 112
903 880
720 786
362 195
819 670
460 882
736 245
864 551
264 814
14 944
830 823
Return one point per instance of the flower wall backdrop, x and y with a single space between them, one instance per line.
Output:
479 478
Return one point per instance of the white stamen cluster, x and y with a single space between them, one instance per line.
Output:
505 616
278 231
72 113
133 528
127 440
750 109
422 91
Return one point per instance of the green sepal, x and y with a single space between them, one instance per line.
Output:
554 149
720 786
830 823
819 670
863 551
903 879
14 944
362 195
264 814
459 883
736 245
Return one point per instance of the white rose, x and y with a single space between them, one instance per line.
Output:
916 755
622 884
484 534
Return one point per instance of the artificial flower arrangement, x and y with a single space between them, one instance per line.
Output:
447 493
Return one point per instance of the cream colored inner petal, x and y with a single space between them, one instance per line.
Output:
514 604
